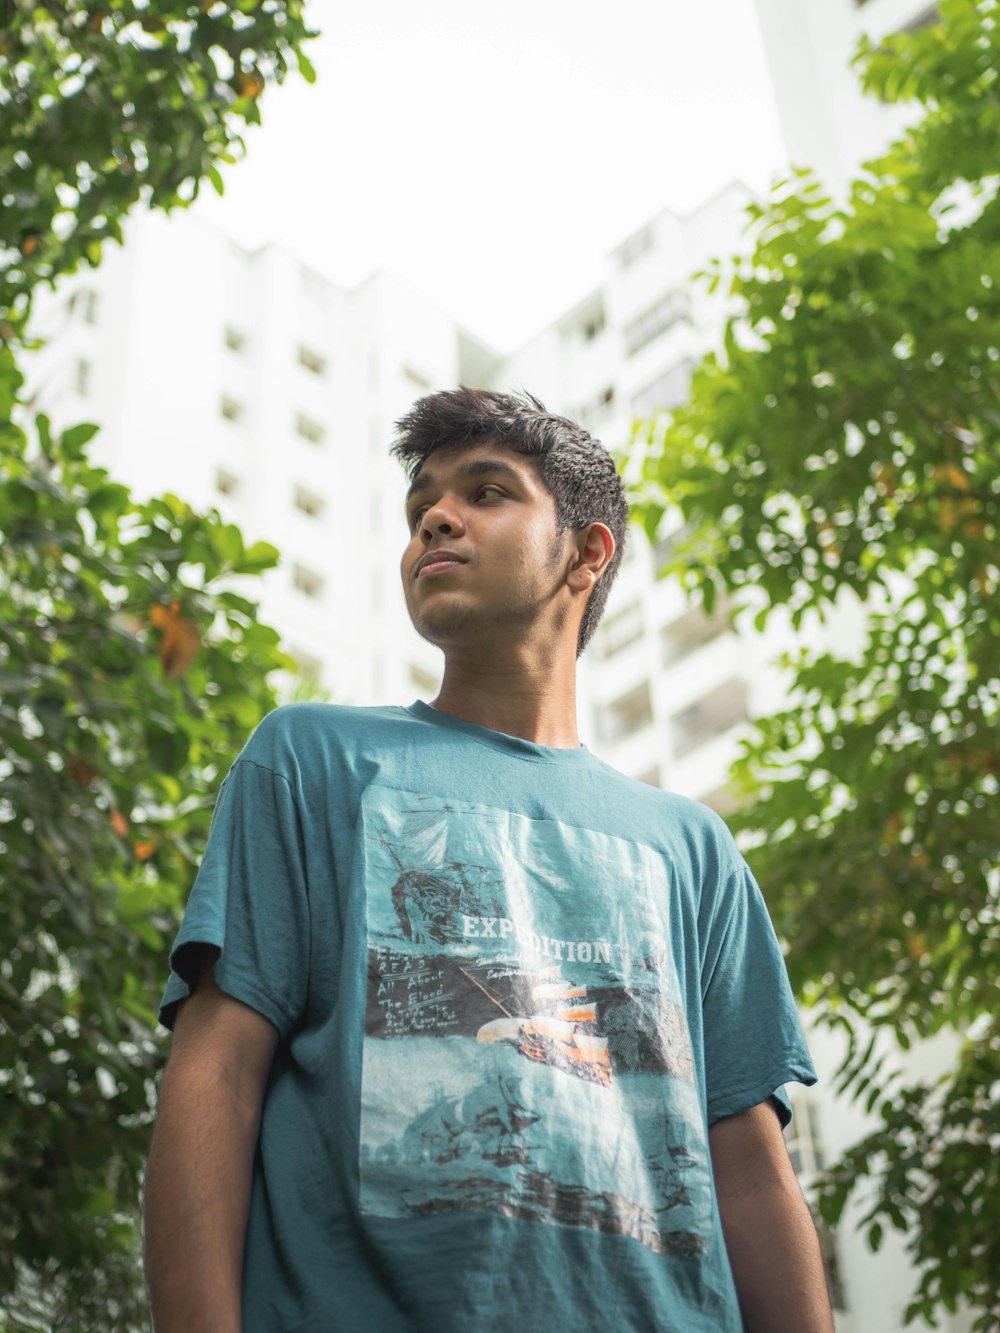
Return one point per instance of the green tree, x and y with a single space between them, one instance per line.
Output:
130 674
131 670
106 103
845 448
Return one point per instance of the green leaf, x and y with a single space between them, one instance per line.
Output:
257 558
73 440
167 746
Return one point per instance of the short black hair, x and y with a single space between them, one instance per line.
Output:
576 468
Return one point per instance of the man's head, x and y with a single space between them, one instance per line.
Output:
575 470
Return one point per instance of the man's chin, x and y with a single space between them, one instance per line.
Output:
445 626
457 629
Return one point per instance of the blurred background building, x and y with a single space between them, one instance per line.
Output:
248 381
827 123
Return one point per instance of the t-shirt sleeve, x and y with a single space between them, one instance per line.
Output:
754 1042
249 902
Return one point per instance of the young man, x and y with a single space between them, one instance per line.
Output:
471 1032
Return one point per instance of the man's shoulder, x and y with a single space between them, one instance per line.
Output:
667 818
292 732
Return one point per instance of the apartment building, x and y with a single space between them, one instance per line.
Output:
827 123
250 383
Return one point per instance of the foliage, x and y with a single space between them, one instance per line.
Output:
130 675
131 671
842 452
106 102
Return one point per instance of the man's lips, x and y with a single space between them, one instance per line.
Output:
434 562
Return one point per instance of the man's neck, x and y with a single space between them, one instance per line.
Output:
537 705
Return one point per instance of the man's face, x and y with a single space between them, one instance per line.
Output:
485 557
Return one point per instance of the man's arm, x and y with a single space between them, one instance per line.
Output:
772 1243
197 1191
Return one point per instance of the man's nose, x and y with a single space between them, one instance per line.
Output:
444 518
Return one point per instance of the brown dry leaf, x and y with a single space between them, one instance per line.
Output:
181 639
958 477
885 477
82 772
916 947
890 833
119 823
248 83
144 848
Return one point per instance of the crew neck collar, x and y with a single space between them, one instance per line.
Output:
500 740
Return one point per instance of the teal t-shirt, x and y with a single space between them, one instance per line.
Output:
513 990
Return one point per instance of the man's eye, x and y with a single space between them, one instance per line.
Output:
485 490
417 516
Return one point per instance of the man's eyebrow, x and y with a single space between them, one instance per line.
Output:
472 467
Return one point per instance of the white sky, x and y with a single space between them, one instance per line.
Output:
492 155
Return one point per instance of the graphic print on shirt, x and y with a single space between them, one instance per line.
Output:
522 991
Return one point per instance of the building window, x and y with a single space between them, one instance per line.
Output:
806 1153
625 715
307 581
691 631
311 361
712 715
308 502
233 339
415 378
620 631
802 1138
665 391
923 20
586 324
308 428
669 310
831 1265
636 246
597 409
593 325
84 300
226 483
81 378
230 408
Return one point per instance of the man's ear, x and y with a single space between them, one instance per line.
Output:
595 549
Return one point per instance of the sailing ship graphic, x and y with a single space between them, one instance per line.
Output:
491 1122
431 890
489 1157
561 1033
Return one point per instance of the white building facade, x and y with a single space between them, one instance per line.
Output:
827 123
